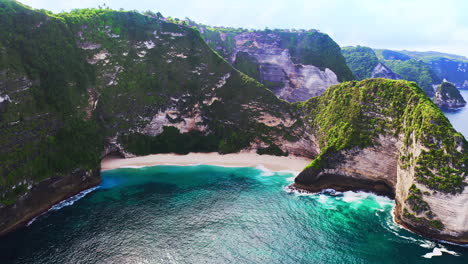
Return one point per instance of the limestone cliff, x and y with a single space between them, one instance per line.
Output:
405 149
294 65
447 95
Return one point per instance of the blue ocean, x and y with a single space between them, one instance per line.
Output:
209 214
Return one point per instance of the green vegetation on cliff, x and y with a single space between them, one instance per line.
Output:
45 77
75 80
355 114
318 49
410 69
361 61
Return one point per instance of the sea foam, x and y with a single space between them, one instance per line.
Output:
67 202
438 251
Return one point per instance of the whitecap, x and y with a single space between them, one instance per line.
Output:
352 197
290 179
299 192
72 199
436 252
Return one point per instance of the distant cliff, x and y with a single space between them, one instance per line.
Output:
364 64
447 95
410 69
295 65
453 68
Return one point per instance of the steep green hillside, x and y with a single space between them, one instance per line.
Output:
75 80
388 137
452 70
45 132
361 61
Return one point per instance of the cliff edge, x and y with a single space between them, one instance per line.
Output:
388 137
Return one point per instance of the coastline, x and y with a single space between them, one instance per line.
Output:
244 159
73 185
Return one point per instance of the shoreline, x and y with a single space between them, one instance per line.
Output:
244 159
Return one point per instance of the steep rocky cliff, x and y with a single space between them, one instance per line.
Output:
388 137
447 95
77 86
364 64
294 65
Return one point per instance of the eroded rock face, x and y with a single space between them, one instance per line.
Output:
379 169
370 169
382 71
289 81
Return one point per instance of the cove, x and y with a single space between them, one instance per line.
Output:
209 214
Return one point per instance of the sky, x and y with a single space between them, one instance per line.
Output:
420 25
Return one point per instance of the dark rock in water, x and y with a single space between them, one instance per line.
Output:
447 95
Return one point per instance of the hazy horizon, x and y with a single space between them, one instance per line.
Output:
414 25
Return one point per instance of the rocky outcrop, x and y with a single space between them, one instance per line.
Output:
364 63
447 95
382 71
423 166
371 169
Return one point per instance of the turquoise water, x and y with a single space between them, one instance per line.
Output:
207 214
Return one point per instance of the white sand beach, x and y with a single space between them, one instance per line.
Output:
273 163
